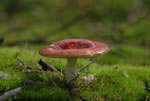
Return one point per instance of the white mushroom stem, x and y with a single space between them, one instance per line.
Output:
71 70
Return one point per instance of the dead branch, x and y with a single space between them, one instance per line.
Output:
20 62
85 66
83 98
46 66
9 94
12 92
82 68
70 82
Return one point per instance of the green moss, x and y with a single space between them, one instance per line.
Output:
110 84
43 92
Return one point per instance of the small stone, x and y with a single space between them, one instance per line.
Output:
89 78
125 74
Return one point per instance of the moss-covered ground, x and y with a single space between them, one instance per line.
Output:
120 75
116 79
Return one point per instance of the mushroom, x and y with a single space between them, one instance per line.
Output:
73 49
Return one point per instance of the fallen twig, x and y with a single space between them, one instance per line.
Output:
47 66
85 66
69 83
83 99
11 93
20 62
82 68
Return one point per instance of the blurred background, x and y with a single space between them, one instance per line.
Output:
123 24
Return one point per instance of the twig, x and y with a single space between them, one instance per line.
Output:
85 66
83 99
47 66
12 92
21 62
9 94
82 68
69 83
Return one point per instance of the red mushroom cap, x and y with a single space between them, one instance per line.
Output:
75 48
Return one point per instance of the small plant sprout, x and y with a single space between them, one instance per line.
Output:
73 49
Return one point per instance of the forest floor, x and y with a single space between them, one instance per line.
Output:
115 78
123 74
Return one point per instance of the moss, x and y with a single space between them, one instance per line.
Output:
110 83
43 92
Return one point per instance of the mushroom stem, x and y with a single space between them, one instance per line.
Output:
71 70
